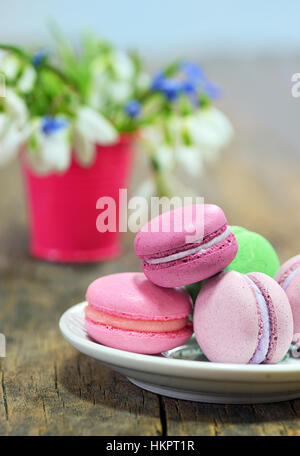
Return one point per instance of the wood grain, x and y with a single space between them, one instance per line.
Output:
47 388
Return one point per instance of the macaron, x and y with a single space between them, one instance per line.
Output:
127 312
255 253
185 245
243 319
288 278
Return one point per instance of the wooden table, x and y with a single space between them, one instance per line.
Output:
47 387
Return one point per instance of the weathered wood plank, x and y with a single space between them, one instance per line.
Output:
190 418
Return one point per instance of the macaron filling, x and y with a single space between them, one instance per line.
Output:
290 277
129 324
199 249
262 349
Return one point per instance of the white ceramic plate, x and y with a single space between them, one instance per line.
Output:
192 379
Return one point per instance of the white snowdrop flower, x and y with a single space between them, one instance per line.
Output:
165 156
119 91
98 87
91 128
176 125
112 78
27 79
85 149
122 65
210 128
15 108
96 97
189 157
105 90
10 139
154 140
3 54
49 149
223 126
152 136
10 66
56 151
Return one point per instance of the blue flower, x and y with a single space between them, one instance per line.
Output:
132 108
39 57
189 86
192 71
212 90
158 81
52 124
189 79
170 87
196 80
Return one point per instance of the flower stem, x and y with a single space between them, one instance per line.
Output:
160 183
46 66
15 50
62 76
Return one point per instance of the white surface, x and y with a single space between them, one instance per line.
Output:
165 28
192 380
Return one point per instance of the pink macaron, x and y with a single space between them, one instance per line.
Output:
128 312
173 257
245 319
288 278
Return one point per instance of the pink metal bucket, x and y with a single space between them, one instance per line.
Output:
62 207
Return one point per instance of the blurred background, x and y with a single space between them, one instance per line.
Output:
250 49
163 30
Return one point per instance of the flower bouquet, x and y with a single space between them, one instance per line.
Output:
72 117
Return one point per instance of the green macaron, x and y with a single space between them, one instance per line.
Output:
255 253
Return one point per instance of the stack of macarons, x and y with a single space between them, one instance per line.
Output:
190 255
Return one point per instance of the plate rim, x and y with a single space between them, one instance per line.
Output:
287 373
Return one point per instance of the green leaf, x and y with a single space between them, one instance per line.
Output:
186 137
172 68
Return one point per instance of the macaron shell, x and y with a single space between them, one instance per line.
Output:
287 267
194 268
148 242
293 294
280 315
293 288
226 320
255 253
131 295
137 342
